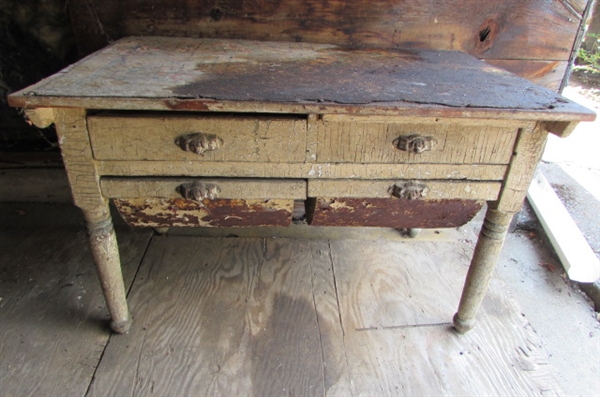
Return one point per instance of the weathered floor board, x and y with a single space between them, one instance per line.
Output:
396 304
224 317
253 316
248 316
53 320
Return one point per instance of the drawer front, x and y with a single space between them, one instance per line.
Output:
204 202
409 189
197 137
200 188
179 212
427 141
386 212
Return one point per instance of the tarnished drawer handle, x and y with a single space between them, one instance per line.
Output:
199 191
409 190
414 143
198 142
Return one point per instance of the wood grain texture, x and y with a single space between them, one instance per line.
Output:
84 180
562 111
75 147
355 142
484 260
559 128
548 74
262 317
427 121
229 188
245 138
527 153
310 171
52 313
532 29
394 305
252 329
312 128
232 75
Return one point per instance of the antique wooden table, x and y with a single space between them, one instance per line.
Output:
204 132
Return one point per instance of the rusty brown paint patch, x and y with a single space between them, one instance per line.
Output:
187 104
396 213
207 213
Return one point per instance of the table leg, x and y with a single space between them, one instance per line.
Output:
71 127
487 251
106 256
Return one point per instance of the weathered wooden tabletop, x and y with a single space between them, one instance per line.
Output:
202 74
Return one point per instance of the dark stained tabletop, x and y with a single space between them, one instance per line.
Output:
159 69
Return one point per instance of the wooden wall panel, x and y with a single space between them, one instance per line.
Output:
532 38
548 74
491 29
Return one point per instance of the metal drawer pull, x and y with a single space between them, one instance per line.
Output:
414 143
199 191
409 190
198 142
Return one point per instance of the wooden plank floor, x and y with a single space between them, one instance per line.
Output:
53 320
284 316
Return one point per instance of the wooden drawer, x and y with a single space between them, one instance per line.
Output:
154 136
179 212
154 202
356 140
396 203
391 212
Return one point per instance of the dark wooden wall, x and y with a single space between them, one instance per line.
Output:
533 38
36 41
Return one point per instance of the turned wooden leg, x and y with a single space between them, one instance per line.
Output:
487 251
71 127
106 256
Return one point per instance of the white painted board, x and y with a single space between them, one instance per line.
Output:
574 252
